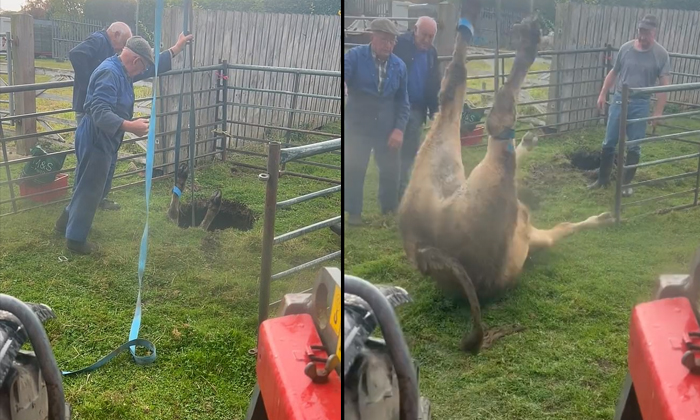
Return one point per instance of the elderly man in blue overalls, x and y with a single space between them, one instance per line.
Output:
85 58
109 109
375 117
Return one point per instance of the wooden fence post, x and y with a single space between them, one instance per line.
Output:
447 28
23 69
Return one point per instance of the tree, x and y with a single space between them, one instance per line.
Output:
111 11
64 9
37 8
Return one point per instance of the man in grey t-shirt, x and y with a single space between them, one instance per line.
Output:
639 63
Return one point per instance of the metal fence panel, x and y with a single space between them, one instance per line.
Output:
67 34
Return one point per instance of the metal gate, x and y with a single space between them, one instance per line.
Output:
67 34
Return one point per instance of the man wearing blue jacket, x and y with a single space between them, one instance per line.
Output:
85 58
376 113
109 109
416 50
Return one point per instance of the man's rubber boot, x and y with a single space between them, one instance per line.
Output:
84 248
61 224
628 176
593 173
606 163
336 229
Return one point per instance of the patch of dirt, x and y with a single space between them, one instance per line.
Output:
547 173
233 215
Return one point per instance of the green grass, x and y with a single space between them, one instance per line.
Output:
50 63
575 299
199 301
485 67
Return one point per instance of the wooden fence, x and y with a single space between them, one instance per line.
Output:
367 8
279 40
581 26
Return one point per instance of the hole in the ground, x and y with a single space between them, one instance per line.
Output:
233 215
585 160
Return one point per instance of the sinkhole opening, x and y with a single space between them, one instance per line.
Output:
233 215
585 160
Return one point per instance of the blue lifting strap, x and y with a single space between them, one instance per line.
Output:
136 323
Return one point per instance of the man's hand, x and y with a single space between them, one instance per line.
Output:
601 103
396 139
182 39
655 122
138 127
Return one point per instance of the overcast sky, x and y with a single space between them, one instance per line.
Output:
11 4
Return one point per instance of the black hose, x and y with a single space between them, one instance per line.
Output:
42 348
398 350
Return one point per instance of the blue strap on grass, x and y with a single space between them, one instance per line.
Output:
177 191
136 323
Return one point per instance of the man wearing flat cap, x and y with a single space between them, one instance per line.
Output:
639 63
86 56
375 117
109 109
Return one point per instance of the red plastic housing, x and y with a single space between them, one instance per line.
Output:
283 352
49 194
665 389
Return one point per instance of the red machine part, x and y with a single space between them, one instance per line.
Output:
665 389
284 347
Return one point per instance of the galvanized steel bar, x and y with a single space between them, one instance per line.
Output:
284 92
697 183
673 73
224 107
661 180
497 51
477 92
399 19
306 229
476 57
660 161
8 174
320 165
664 117
659 198
302 198
682 87
268 240
293 153
290 115
285 173
274 127
274 108
621 151
35 86
173 95
306 265
663 137
532 73
284 70
10 76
